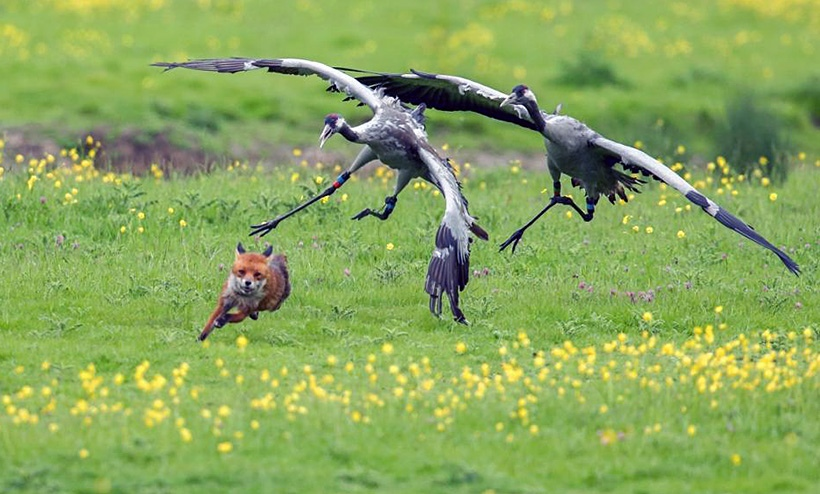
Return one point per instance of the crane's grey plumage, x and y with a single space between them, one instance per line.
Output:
573 148
395 135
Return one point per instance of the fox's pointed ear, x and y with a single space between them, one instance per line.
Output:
239 249
268 251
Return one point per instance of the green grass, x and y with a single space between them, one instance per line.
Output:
71 69
98 303
600 357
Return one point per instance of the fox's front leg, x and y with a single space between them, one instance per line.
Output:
236 317
218 318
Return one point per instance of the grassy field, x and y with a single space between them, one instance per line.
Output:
651 350
660 72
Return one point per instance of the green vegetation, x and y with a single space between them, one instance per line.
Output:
753 139
82 65
650 350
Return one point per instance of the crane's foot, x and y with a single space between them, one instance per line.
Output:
562 200
514 238
382 215
263 229
567 201
389 204
364 213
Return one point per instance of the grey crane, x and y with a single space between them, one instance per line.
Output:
573 148
395 135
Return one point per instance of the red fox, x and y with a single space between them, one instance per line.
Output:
257 282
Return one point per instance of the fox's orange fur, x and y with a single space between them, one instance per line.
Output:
257 282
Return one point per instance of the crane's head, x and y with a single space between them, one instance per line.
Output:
333 124
520 95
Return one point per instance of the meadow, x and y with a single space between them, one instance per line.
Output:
650 350
663 73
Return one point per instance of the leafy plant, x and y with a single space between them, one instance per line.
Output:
752 138
589 69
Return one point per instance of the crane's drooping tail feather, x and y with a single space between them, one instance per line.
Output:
734 223
479 232
447 273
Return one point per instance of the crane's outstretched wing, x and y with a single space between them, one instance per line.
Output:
445 93
637 161
449 269
293 66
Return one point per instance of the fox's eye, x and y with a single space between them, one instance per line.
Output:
241 272
257 275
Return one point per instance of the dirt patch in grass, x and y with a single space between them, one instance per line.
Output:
135 150
127 150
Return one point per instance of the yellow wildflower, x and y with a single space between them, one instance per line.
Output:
185 435
241 342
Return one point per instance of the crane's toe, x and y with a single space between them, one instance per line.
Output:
363 214
514 238
263 229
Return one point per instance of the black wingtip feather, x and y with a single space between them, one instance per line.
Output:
223 65
425 75
732 222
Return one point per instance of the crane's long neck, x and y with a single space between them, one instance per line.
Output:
349 133
536 116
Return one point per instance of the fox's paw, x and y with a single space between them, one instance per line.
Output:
254 315
220 321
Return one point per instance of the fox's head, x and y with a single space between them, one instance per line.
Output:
250 272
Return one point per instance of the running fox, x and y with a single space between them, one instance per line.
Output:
257 282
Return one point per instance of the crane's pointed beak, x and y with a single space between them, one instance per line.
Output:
325 135
508 101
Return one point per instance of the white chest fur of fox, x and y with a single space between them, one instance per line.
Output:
257 282
244 292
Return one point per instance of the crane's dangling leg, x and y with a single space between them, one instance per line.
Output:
557 198
365 156
567 201
516 236
586 216
390 201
